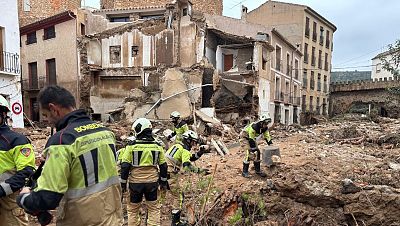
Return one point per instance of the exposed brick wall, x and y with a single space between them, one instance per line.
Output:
206 6
41 9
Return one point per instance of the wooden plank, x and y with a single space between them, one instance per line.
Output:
215 144
223 146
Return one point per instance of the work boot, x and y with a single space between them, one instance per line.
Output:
245 172
257 167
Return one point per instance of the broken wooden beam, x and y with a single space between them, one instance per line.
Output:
223 146
216 146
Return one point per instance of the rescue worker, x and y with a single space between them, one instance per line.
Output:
248 142
80 173
178 156
17 162
180 127
141 159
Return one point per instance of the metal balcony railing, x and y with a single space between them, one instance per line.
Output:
295 100
33 85
277 96
285 97
314 36
307 32
9 62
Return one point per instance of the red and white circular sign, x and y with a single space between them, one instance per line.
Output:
16 108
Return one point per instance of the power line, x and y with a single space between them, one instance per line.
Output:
238 4
358 57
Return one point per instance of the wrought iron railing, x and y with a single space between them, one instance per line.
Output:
9 62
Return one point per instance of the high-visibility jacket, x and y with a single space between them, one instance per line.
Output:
81 169
142 158
179 155
17 160
252 131
179 129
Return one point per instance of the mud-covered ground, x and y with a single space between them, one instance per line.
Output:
341 172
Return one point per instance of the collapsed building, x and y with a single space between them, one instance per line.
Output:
152 60
203 61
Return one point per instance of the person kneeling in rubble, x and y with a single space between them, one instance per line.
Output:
180 127
179 155
248 141
144 167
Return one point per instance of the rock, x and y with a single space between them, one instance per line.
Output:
394 166
348 187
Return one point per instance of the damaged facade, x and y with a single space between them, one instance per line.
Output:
159 59
205 6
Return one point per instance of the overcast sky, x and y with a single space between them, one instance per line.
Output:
365 27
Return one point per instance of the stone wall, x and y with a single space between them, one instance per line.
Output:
30 11
355 96
206 6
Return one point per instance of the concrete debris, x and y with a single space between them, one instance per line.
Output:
319 176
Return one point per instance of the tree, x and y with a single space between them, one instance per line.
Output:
392 64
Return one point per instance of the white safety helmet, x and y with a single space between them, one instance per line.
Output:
190 135
4 103
140 125
175 114
265 117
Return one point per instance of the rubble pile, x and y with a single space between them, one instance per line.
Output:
322 180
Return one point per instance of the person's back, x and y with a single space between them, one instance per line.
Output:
85 151
80 174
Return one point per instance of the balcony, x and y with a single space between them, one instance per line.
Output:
314 36
278 65
285 97
33 85
9 63
327 44
307 32
306 57
277 96
295 100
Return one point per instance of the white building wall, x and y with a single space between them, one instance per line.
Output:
378 73
10 84
264 95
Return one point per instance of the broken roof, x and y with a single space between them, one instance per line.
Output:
130 8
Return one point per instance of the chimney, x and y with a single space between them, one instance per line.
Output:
244 13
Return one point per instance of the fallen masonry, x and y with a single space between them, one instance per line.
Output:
321 180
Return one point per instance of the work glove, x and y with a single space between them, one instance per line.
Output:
124 187
202 150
